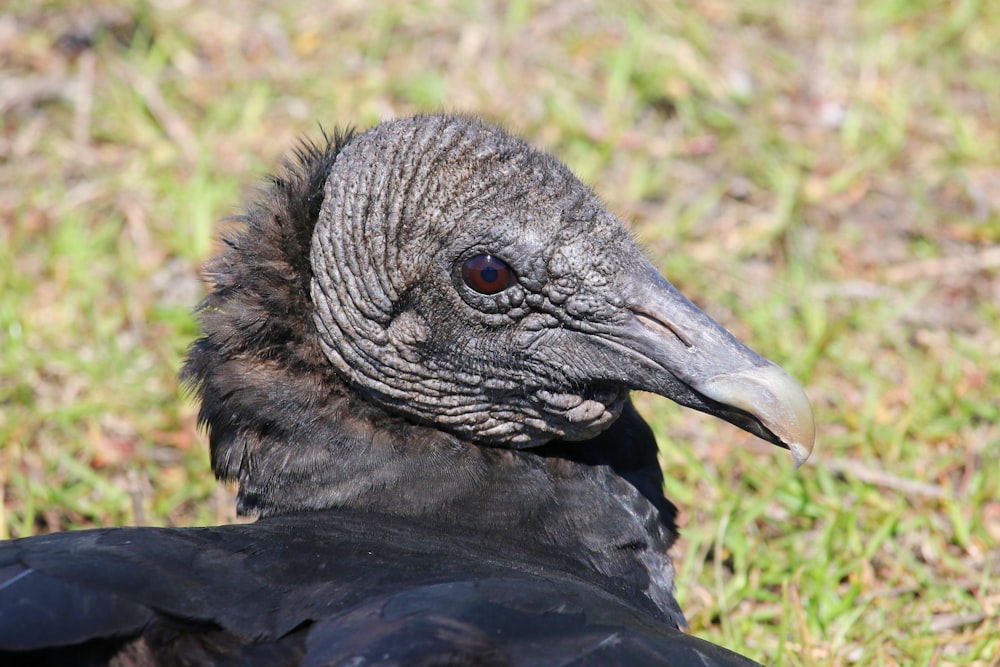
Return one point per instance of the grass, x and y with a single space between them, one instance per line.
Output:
822 177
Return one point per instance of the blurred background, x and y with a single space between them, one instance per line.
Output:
822 177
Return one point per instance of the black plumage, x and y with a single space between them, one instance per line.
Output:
416 359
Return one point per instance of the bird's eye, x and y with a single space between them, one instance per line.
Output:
486 274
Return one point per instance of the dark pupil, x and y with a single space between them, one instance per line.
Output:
486 274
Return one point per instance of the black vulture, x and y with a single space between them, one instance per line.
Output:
416 360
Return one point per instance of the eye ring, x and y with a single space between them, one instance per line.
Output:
486 274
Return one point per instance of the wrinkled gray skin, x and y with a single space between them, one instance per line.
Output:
552 356
499 369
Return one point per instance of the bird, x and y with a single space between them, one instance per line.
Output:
416 359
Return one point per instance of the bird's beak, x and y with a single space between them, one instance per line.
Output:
697 363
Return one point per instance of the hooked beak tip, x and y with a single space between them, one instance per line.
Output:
799 453
772 397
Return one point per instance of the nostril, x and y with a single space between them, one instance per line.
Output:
655 323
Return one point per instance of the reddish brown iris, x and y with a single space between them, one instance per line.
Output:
486 274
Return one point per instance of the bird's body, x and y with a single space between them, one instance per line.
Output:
416 362
332 587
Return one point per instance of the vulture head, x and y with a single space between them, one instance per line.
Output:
435 284
469 282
